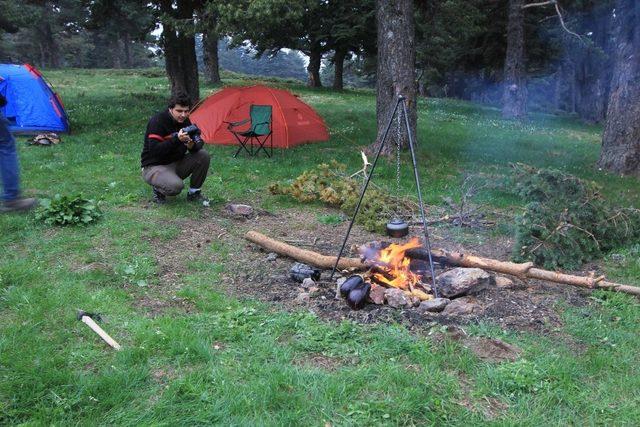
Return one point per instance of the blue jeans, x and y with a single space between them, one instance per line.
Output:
9 166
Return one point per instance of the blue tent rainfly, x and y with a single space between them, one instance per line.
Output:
32 105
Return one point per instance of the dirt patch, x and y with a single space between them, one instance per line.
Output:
251 272
319 361
490 407
155 304
492 349
164 375
173 257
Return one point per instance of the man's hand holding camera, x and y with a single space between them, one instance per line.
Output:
184 137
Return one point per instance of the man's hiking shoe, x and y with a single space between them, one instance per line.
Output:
158 197
196 197
18 205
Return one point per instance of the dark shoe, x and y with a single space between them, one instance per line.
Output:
196 197
158 197
19 205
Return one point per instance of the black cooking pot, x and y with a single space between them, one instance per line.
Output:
397 228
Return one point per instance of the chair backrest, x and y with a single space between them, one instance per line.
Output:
260 119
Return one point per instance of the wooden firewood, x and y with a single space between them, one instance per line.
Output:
521 270
526 270
302 255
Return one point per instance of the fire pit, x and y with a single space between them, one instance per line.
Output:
391 267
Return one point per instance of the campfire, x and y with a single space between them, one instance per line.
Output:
391 267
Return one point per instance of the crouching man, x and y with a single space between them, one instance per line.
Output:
170 155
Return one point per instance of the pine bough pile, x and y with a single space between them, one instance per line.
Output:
567 221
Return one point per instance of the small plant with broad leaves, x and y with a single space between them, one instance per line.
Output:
68 210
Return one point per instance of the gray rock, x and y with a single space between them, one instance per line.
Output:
303 298
314 291
308 282
272 256
462 281
376 294
396 298
435 305
504 282
462 307
239 209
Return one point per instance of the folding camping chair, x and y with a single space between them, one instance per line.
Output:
259 131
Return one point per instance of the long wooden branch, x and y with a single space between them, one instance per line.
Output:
542 3
524 271
558 12
521 270
302 255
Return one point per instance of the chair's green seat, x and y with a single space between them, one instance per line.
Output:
260 126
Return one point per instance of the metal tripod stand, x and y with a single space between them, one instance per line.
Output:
401 100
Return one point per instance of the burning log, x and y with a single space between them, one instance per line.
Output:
523 270
386 279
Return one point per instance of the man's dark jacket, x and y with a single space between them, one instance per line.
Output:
161 143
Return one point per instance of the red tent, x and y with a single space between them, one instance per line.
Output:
293 121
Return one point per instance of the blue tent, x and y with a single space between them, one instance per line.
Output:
32 106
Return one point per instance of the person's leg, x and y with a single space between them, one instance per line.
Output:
9 165
10 173
163 178
195 165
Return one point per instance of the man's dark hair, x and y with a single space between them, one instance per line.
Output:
180 99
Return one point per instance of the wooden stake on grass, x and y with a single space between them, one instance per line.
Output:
85 318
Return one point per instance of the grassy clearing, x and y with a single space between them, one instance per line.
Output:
245 363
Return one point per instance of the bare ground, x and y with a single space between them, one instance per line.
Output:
249 271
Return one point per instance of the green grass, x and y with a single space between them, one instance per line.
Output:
237 362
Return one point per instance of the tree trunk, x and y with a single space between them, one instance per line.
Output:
338 68
621 140
115 52
126 48
557 89
514 97
180 50
51 57
313 69
593 71
395 73
210 56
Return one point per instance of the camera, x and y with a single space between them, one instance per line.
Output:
194 133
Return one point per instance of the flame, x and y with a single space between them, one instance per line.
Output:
395 266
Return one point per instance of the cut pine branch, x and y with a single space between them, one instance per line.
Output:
521 270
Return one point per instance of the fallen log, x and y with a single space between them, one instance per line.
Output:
521 270
524 270
302 255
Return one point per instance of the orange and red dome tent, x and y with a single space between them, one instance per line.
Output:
293 121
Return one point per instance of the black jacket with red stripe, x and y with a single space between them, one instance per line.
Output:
161 143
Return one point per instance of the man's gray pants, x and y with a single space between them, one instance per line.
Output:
167 179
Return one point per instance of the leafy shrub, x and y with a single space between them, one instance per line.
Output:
330 184
68 210
567 221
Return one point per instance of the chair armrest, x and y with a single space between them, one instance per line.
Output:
235 124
